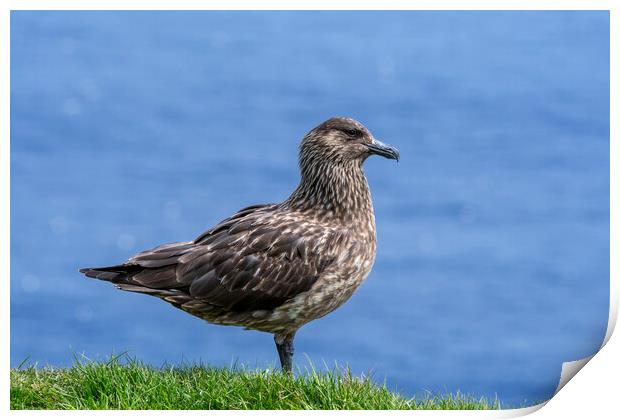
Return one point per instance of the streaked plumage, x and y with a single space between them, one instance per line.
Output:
275 267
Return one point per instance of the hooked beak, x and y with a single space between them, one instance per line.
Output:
382 149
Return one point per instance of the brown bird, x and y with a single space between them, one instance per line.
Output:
275 267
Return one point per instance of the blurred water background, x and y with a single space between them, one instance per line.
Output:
133 129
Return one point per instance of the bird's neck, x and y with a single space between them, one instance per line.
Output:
333 191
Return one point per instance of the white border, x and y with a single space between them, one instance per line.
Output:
312 5
5 185
591 394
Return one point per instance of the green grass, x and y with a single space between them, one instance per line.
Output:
133 385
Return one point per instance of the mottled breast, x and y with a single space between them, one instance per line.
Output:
355 253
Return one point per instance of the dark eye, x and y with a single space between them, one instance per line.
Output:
352 132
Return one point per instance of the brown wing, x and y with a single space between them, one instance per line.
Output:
256 259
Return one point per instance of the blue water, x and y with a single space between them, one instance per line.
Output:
129 130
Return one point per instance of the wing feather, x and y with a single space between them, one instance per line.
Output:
255 260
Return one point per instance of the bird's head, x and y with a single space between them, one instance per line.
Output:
330 161
342 140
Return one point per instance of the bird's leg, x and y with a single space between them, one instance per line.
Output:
284 343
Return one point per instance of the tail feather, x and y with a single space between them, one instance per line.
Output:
125 281
154 268
114 274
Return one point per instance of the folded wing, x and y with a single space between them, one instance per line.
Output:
254 260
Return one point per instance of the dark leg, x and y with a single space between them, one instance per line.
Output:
284 343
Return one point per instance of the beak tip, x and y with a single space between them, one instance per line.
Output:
384 150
